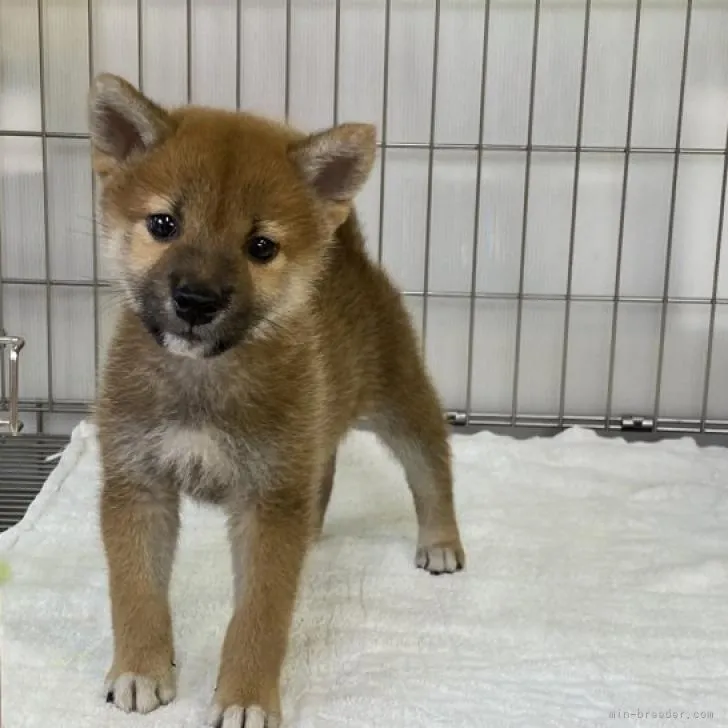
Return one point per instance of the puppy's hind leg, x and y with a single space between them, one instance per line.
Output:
327 483
411 424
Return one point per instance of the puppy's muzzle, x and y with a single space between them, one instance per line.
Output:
197 304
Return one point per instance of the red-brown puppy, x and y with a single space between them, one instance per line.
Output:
254 333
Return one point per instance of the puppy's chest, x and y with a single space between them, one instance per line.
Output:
203 461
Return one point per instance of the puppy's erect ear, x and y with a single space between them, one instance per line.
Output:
123 122
336 163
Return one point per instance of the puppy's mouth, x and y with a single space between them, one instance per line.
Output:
192 346
192 342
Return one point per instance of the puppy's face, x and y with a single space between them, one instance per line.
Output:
218 223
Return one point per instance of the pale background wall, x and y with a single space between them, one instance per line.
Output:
263 32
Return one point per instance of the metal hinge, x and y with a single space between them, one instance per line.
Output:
636 423
13 344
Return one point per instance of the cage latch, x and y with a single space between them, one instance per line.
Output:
457 418
636 423
12 402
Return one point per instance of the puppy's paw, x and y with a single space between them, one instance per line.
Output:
236 716
440 558
139 693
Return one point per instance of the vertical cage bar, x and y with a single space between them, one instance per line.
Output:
46 236
140 43
238 52
94 235
526 193
714 292
289 31
476 219
337 61
574 208
673 205
188 41
430 174
622 211
14 386
385 108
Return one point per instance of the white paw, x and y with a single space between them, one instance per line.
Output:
238 717
139 694
440 559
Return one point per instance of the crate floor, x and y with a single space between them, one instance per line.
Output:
24 468
595 589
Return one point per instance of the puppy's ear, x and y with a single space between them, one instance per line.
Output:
336 163
122 122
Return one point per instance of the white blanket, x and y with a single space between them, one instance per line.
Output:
597 583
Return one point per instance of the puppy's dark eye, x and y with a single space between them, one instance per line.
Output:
262 250
162 226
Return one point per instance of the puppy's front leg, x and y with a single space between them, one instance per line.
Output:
139 530
269 542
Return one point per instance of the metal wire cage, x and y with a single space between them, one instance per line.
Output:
549 192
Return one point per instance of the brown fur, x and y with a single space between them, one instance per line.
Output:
314 340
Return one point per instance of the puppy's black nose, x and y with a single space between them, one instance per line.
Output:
196 304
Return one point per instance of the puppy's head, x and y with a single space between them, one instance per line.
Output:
218 223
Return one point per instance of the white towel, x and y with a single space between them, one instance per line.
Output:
597 584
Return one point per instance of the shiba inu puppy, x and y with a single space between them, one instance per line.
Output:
254 332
